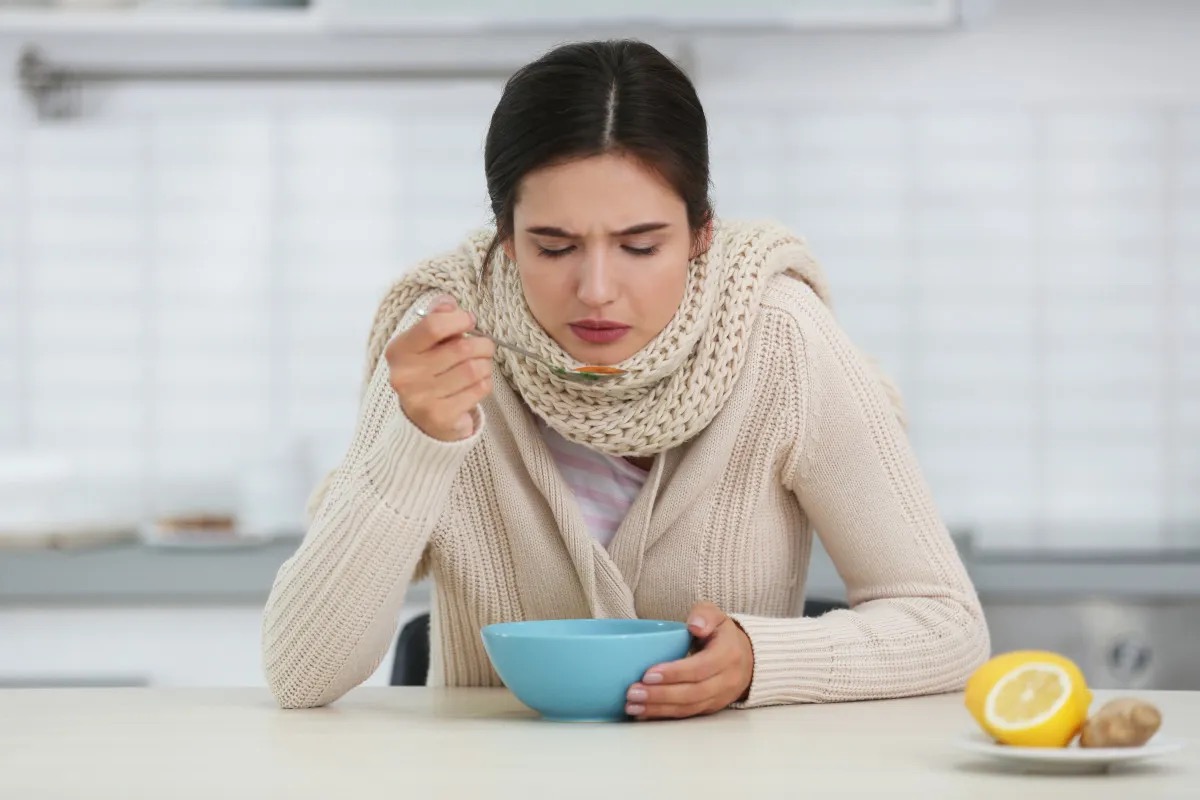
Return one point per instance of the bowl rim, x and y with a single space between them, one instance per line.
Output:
523 629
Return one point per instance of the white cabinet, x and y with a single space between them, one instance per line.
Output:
720 15
139 646
481 16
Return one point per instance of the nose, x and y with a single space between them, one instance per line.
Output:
597 287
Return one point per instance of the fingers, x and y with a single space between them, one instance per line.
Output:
455 414
440 375
677 694
696 683
693 669
680 700
704 619
436 346
440 327
463 378
704 622
703 683
442 302
471 393
447 356
444 320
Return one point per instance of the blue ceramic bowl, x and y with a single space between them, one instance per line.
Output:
579 669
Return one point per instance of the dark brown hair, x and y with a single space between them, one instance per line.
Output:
590 98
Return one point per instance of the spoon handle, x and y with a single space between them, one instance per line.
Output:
567 374
508 346
421 312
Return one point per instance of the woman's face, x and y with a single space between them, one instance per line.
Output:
602 246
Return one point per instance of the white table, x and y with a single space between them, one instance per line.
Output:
418 743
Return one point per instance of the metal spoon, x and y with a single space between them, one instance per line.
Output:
584 374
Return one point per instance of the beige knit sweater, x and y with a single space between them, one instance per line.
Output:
808 443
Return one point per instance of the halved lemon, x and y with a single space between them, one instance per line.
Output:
1029 698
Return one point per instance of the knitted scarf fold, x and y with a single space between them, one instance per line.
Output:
674 386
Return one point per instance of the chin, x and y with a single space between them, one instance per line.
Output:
598 354
605 356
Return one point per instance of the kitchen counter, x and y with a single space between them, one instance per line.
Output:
132 572
480 743
162 617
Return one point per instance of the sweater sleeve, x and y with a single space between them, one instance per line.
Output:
334 607
915 625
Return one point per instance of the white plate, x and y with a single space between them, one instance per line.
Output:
1066 760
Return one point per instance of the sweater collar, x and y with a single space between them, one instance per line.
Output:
605 581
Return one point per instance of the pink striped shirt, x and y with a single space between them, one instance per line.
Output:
604 486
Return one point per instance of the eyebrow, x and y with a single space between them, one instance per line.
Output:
559 233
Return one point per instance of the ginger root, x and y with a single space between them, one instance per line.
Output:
1126 722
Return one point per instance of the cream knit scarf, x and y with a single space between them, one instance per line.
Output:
674 386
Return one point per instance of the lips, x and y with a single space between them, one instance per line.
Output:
595 331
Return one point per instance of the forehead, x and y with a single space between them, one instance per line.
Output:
609 190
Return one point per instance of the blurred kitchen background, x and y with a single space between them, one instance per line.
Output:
202 201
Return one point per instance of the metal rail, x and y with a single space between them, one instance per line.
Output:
55 89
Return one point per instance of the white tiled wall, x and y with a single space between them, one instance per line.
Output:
180 288
10 423
1027 275
1183 297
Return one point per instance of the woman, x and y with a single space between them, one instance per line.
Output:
689 488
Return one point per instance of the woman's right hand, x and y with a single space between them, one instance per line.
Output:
438 374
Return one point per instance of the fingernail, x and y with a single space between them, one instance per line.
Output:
652 678
634 710
444 303
696 622
636 696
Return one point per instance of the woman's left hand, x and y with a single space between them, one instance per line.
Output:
704 682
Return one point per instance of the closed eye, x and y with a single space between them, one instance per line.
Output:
559 253
562 251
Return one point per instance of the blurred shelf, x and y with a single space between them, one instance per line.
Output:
134 573
679 16
62 50
465 17
142 22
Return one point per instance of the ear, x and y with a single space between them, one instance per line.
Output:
704 238
509 250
